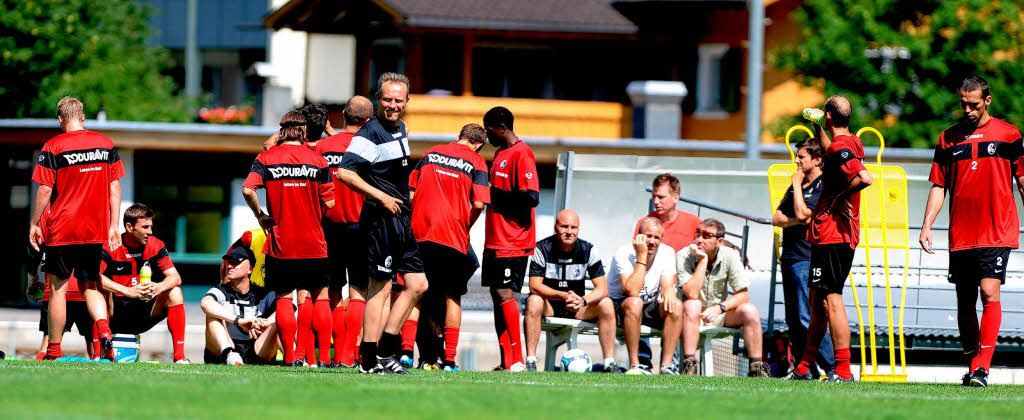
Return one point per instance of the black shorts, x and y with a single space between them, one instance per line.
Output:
77 314
448 270
649 316
346 250
560 310
133 316
503 273
391 247
285 275
830 266
969 266
246 348
83 260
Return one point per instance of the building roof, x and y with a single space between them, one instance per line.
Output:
577 16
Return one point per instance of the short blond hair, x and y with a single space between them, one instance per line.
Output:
69 108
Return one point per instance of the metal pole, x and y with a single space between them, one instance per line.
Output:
755 69
192 66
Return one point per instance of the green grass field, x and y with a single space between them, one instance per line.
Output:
149 391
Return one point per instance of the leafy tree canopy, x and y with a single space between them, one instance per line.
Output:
901 62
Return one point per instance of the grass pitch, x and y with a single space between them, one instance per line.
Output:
149 391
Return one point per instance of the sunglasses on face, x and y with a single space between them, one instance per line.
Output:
701 233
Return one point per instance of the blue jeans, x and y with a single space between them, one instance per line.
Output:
798 313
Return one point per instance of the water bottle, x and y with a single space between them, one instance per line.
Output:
145 274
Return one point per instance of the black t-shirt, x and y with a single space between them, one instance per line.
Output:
565 271
794 238
245 305
381 157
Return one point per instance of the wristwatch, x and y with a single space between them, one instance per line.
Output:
722 307
237 317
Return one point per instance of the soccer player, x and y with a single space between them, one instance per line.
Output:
346 247
299 189
136 307
376 164
559 268
77 312
792 215
976 161
449 189
510 233
834 234
240 327
78 176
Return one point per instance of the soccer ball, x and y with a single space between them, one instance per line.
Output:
576 360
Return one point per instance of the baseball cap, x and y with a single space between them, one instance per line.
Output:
240 253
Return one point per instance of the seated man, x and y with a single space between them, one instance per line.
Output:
641 284
559 268
709 268
135 307
240 326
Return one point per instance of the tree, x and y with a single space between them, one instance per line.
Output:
94 50
901 62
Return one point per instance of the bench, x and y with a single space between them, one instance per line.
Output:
564 331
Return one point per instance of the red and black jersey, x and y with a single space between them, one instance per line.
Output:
446 182
977 167
297 180
79 166
124 264
347 203
515 192
844 159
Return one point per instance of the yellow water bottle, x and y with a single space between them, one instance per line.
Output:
145 274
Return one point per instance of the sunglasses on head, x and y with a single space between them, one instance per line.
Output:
701 233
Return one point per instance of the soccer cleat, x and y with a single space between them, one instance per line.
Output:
299 363
760 370
690 367
517 367
614 368
323 365
390 366
405 361
793 376
234 359
344 366
813 115
840 380
531 366
967 379
979 379
449 367
639 370
669 369
429 366
183 362
107 348
498 368
376 370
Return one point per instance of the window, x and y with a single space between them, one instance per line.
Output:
719 76
387 55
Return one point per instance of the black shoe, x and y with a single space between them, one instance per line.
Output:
793 376
498 368
390 366
966 380
531 366
298 363
979 379
323 365
376 370
107 349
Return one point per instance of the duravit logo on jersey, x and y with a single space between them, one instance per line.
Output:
334 159
455 163
294 172
98 155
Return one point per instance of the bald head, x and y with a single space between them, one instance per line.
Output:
839 111
567 229
357 111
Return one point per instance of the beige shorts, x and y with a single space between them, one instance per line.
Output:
718 321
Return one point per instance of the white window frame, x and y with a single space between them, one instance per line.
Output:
709 77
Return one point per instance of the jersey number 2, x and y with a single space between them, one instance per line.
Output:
974 165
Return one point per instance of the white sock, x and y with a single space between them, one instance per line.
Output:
531 359
609 361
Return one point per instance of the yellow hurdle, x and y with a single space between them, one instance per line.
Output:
779 179
884 225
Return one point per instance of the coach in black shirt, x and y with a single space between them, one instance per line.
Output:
240 327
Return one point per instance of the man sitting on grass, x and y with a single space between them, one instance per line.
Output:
240 328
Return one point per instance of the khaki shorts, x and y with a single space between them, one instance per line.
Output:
718 321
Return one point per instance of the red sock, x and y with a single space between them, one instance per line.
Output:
304 345
286 327
95 343
511 312
409 335
40 355
353 325
53 351
102 327
843 363
991 317
338 332
176 324
451 343
806 362
322 325
502 332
